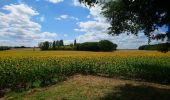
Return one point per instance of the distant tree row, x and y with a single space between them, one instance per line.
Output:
51 45
103 45
163 47
4 48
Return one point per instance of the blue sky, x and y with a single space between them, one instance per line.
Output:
28 22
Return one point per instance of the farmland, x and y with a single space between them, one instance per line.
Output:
25 69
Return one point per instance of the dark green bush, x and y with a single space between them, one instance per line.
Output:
142 47
106 45
64 48
103 45
88 46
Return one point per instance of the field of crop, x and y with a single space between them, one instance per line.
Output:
24 69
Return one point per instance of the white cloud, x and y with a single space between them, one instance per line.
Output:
55 1
65 17
20 9
93 26
77 3
65 35
17 28
68 42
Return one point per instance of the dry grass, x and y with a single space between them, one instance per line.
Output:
80 87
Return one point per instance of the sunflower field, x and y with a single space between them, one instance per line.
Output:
28 69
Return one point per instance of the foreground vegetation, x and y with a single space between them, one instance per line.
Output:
28 69
88 87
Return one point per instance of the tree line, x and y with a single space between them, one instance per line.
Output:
163 47
103 45
4 48
51 45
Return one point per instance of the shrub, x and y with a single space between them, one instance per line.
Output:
88 46
63 48
106 45
142 47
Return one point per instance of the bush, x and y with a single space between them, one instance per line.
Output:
106 45
163 47
63 48
88 46
142 47
103 45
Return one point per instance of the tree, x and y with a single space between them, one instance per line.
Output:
88 46
106 45
57 43
54 44
75 42
61 43
44 45
132 16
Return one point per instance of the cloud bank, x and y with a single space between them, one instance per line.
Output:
17 27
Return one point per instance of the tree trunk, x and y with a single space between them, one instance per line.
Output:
168 34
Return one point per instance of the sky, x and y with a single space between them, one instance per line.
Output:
29 22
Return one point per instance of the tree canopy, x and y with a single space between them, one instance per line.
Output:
132 16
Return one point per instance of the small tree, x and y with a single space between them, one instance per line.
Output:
75 42
54 45
57 43
61 43
44 45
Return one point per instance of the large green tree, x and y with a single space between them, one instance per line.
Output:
132 16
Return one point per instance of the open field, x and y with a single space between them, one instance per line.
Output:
25 69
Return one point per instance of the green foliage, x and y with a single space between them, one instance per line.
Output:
103 45
130 16
164 47
55 45
88 46
89 2
64 48
44 45
61 43
133 16
106 45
